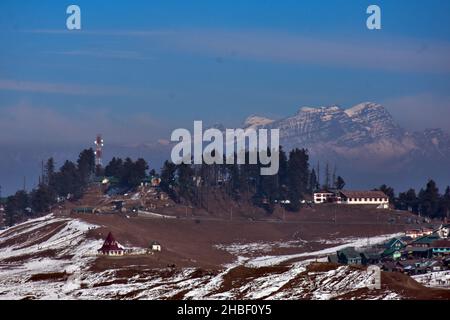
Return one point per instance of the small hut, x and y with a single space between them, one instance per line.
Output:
155 246
111 247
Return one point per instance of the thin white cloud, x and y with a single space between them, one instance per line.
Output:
60 88
391 54
395 55
114 33
105 54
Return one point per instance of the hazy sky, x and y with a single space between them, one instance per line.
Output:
136 70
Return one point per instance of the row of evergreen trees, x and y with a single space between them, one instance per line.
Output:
188 183
427 202
194 183
243 182
129 173
69 182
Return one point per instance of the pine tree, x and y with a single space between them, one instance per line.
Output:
49 171
41 199
283 175
298 169
446 203
339 183
185 181
114 168
69 181
313 183
327 176
86 165
429 200
389 191
168 179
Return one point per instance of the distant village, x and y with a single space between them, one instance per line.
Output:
418 252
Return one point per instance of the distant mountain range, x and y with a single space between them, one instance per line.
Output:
365 143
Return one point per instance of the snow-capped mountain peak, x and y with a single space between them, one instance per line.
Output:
364 137
256 121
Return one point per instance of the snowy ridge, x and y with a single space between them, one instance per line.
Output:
357 243
63 250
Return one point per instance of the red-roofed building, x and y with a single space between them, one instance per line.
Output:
111 247
353 197
440 247
364 197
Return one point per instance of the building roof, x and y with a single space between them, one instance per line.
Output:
426 240
349 253
417 249
441 244
363 194
391 242
374 255
110 244
324 191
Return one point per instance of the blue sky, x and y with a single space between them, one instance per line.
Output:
137 70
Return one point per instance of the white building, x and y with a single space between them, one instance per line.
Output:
155 246
364 197
323 196
353 197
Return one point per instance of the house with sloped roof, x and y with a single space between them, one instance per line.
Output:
352 197
155 246
440 247
111 247
349 256
371 256
323 196
425 241
392 246
417 252
364 197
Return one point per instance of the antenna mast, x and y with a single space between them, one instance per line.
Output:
98 150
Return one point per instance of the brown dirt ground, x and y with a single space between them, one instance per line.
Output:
190 242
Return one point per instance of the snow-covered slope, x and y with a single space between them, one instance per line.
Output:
51 248
53 258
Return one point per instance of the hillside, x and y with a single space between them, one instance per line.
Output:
55 257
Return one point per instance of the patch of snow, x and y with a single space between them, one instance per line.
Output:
357 243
